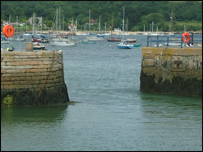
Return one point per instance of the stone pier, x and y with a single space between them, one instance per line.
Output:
32 78
171 70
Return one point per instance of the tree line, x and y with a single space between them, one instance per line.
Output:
138 15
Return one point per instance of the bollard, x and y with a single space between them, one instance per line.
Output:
29 47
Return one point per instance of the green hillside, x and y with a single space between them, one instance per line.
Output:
139 14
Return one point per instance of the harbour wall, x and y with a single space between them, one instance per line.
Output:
32 78
171 70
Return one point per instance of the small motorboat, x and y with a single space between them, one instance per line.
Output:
136 44
131 40
124 45
86 41
38 46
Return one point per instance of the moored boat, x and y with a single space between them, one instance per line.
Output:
124 45
131 40
4 40
38 46
114 39
137 44
94 38
86 41
63 43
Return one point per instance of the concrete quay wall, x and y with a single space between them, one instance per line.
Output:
171 70
33 78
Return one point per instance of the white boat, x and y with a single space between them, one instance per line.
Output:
131 40
86 41
59 39
173 44
38 46
4 42
154 34
62 43
124 45
145 33
107 33
100 35
18 39
94 38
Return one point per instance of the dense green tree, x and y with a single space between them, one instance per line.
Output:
49 23
139 13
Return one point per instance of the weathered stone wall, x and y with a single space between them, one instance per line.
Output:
33 78
171 70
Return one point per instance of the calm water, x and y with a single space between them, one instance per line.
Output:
112 113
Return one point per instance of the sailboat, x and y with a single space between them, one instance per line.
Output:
124 45
36 45
171 33
100 34
106 33
58 40
17 37
152 33
61 42
113 39
128 39
174 42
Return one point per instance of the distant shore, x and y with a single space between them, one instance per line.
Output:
117 32
113 32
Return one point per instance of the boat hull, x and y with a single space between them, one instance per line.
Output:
131 40
136 45
63 44
38 48
94 38
90 42
114 40
173 44
4 42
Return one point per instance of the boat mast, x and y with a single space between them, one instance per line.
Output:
26 27
59 19
105 27
171 21
76 25
33 25
111 26
41 25
89 20
17 23
9 19
123 21
99 23
63 22
56 19
127 26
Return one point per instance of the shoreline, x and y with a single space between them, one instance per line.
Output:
115 32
